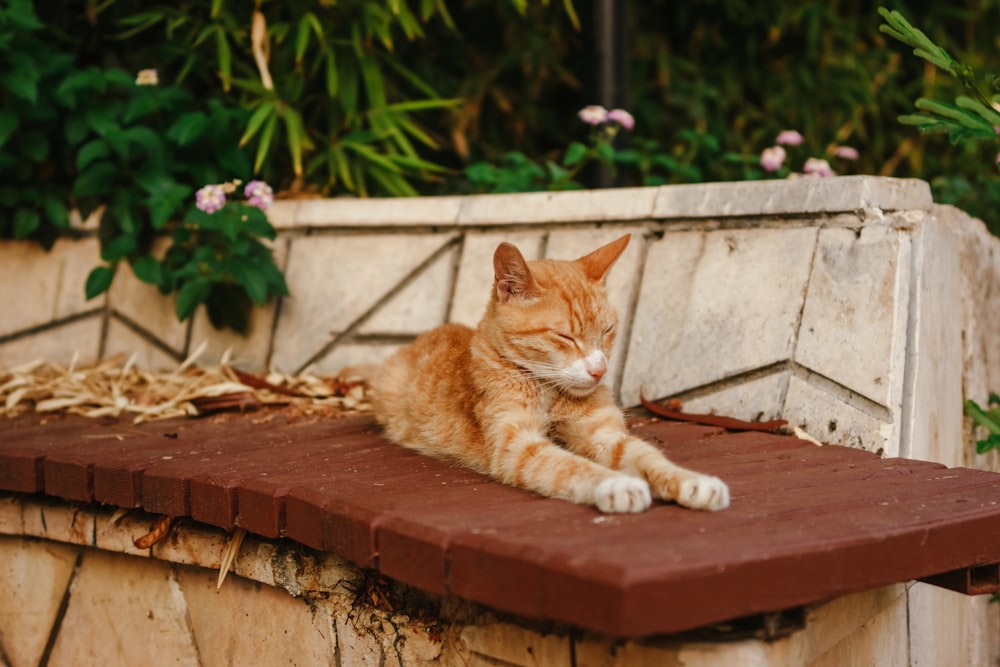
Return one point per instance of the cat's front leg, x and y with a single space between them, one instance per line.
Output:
525 458
602 437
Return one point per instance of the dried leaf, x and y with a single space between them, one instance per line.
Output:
157 533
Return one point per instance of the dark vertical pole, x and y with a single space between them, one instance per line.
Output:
607 81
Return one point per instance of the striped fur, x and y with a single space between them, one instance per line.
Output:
520 397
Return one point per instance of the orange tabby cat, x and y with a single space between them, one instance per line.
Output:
520 397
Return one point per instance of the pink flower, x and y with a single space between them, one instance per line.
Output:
772 158
817 167
210 198
594 114
259 194
622 117
845 152
789 138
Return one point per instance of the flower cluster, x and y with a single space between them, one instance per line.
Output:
773 158
211 198
595 115
147 77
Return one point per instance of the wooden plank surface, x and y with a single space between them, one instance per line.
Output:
806 523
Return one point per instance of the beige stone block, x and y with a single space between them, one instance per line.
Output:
551 207
58 521
247 352
79 340
515 645
140 619
335 280
358 643
932 420
11 522
283 213
379 211
38 286
854 320
245 623
146 307
948 628
715 305
753 399
419 306
355 358
826 413
845 194
881 640
33 581
475 270
122 342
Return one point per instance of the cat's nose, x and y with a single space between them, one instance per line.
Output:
597 373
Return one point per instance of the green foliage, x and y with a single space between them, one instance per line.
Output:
332 103
91 138
988 419
218 259
636 158
969 117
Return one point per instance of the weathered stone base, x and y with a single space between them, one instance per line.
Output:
75 591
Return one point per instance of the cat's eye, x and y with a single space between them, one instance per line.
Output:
565 337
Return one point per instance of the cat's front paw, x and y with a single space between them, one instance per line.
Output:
622 494
703 492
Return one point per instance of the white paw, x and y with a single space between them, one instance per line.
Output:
703 492
622 494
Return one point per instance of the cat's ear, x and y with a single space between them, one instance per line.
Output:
597 264
512 278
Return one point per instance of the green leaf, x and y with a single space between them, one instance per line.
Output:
145 138
56 212
142 104
90 151
147 269
33 145
256 223
251 278
191 295
98 281
9 121
26 221
22 84
189 128
265 142
118 248
990 443
575 152
97 179
264 112
979 416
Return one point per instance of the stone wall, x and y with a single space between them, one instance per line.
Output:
853 307
75 591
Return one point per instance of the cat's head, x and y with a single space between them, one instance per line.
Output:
552 317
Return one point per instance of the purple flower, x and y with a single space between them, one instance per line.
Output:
593 114
772 158
210 198
622 117
817 167
845 152
259 194
789 138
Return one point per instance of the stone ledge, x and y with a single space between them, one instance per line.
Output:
804 196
